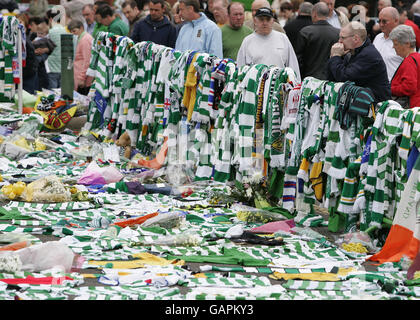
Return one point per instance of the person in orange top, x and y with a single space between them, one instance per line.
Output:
405 85
82 82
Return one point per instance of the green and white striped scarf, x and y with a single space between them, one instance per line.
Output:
232 281
9 29
380 188
245 118
222 163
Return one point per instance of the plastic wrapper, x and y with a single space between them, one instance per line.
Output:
96 151
186 239
308 232
36 258
356 242
21 142
178 175
81 152
151 176
13 151
47 189
166 220
183 239
48 255
31 126
99 175
47 142
234 232
18 146
253 215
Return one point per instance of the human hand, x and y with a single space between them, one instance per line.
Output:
40 51
337 50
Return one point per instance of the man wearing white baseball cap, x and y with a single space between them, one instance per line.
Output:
267 46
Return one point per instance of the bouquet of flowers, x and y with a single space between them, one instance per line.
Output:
252 191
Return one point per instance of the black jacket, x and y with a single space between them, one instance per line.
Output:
31 66
313 48
160 32
365 68
293 27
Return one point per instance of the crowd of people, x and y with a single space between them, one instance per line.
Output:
314 38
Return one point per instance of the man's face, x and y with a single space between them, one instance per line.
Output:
330 4
33 27
219 11
236 16
98 18
89 15
130 13
381 5
186 12
387 22
106 21
156 11
210 4
403 17
346 37
263 25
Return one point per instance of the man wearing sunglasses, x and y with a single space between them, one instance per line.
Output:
354 58
388 20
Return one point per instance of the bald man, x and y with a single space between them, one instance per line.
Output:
257 4
389 18
354 58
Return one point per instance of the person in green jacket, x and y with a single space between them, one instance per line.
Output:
108 18
98 28
98 25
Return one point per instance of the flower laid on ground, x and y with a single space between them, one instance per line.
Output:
15 190
258 216
252 191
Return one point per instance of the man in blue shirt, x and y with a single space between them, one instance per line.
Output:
88 13
198 32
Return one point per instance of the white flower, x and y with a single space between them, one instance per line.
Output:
228 190
256 178
249 192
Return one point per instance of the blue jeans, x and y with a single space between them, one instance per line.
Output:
54 80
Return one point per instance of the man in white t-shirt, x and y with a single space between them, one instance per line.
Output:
388 20
267 46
